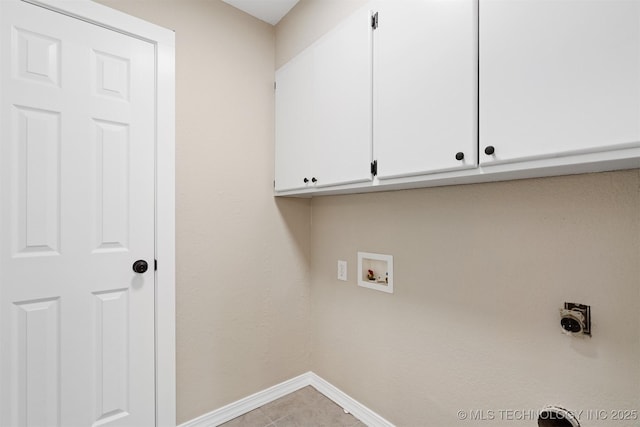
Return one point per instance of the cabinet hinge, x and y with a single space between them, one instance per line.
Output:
374 21
274 85
155 265
374 168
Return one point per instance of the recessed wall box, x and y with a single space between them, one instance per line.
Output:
375 271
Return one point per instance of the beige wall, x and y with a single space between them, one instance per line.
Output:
480 274
242 257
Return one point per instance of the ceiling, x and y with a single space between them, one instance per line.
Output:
270 11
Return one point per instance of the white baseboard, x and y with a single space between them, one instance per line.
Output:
355 408
249 403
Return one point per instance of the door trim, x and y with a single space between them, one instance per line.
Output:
164 42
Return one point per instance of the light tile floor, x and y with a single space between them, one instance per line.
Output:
304 408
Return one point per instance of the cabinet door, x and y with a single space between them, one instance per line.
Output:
558 77
425 86
342 103
294 123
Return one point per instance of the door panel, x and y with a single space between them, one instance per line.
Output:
77 140
112 185
558 77
323 110
425 86
36 342
112 348
294 123
342 101
35 170
36 57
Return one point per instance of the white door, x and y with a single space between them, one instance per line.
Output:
294 123
425 86
323 110
558 77
76 210
342 103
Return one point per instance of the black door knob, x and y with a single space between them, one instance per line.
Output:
489 150
140 266
314 180
460 155
306 180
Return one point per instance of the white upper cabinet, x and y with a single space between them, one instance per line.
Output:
558 78
439 92
323 110
425 86
294 123
342 96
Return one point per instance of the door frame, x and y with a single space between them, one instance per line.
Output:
164 43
